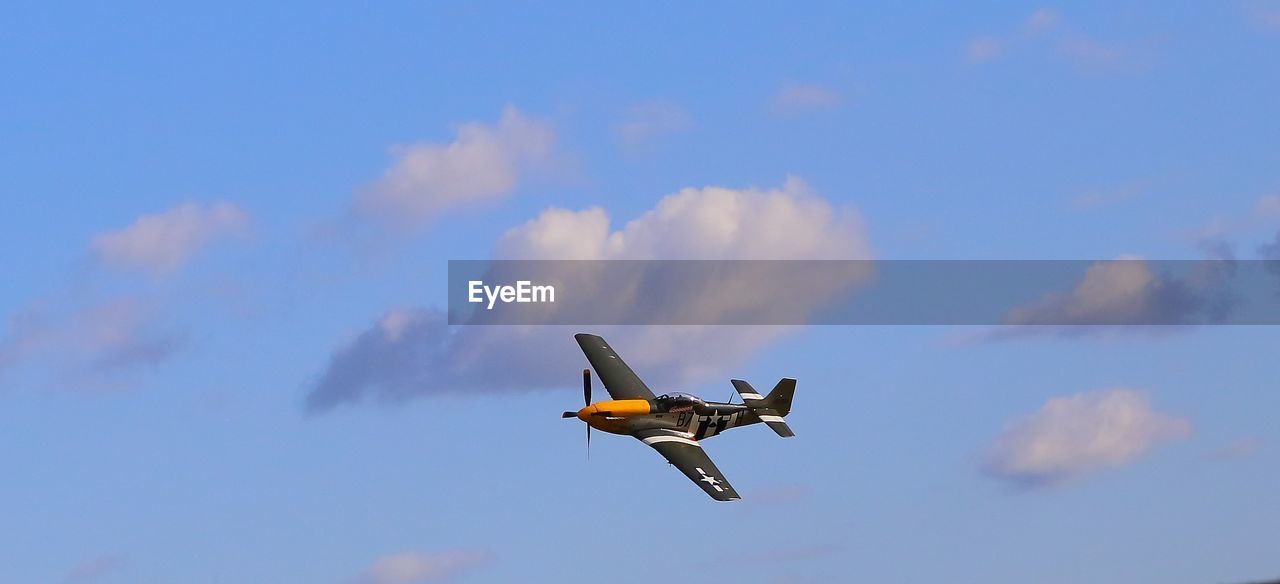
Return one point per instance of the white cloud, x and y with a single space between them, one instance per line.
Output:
1109 290
793 96
483 163
95 340
417 354
420 567
1075 435
699 223
164 242
1125 294
649 121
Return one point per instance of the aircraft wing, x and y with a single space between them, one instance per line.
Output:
688 456
619 379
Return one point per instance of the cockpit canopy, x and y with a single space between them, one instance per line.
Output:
679 401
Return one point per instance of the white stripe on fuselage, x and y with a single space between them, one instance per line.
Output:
712 428
656 439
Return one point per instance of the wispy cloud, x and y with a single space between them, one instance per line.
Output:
1265 14
984 48
85 337
1268 205
794 96
483 163
414 567
94 569
411 352
1237 449
1045 28
1076 435
93 344
164 242
1124 295
1041 20
647 122
989 47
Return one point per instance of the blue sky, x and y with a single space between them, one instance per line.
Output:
202 215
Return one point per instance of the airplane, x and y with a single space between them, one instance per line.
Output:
674 423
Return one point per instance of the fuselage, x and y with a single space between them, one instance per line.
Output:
696 418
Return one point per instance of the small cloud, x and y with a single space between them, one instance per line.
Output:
649 121
421 567
1043 28
483 163
99 339
164 242
94 568
402 354
1237 449
1268 205
1266 15
988 47
984 49
125 332
794 96
1041 20
1076 435
1126 294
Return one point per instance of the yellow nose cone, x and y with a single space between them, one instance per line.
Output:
623 408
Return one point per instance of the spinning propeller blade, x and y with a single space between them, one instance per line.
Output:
586 398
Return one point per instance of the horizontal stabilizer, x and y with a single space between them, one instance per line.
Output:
769 408
748 393
774 421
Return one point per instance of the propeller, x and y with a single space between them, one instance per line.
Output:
586 400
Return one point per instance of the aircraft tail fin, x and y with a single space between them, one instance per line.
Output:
770 408
780 398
